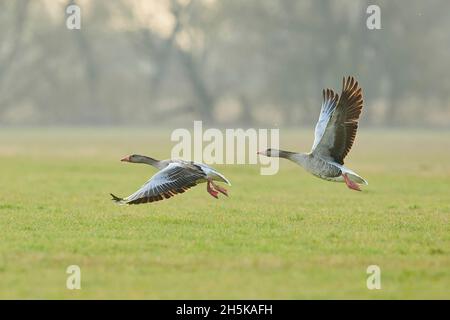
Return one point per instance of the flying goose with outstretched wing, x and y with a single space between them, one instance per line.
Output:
334 136
175 176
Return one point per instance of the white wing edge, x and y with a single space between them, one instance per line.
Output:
326 112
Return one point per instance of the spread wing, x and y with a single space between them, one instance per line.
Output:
338 122
173 179
328 106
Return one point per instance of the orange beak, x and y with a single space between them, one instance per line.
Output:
126 159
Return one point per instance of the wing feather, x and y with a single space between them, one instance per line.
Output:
328 106
341 127
175 178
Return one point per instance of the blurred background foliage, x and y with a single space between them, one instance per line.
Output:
235 63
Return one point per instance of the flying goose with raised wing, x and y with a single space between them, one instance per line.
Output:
334 136
175 176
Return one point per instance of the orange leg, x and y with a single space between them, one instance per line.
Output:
352 185
211 191
220 189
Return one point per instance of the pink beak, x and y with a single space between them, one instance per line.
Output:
126 159
259 152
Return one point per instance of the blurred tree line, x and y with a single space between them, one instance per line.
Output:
253 62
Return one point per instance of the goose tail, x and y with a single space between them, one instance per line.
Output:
222 178
117 200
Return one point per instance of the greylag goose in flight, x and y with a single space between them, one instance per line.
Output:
175 176
334 135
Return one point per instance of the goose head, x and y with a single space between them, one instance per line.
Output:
132 158
270 152
278 153
136 158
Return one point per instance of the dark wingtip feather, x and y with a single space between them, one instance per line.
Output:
115 198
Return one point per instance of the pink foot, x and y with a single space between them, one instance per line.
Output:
211 191
220 189
352 185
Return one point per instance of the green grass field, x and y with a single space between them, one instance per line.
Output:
285 236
